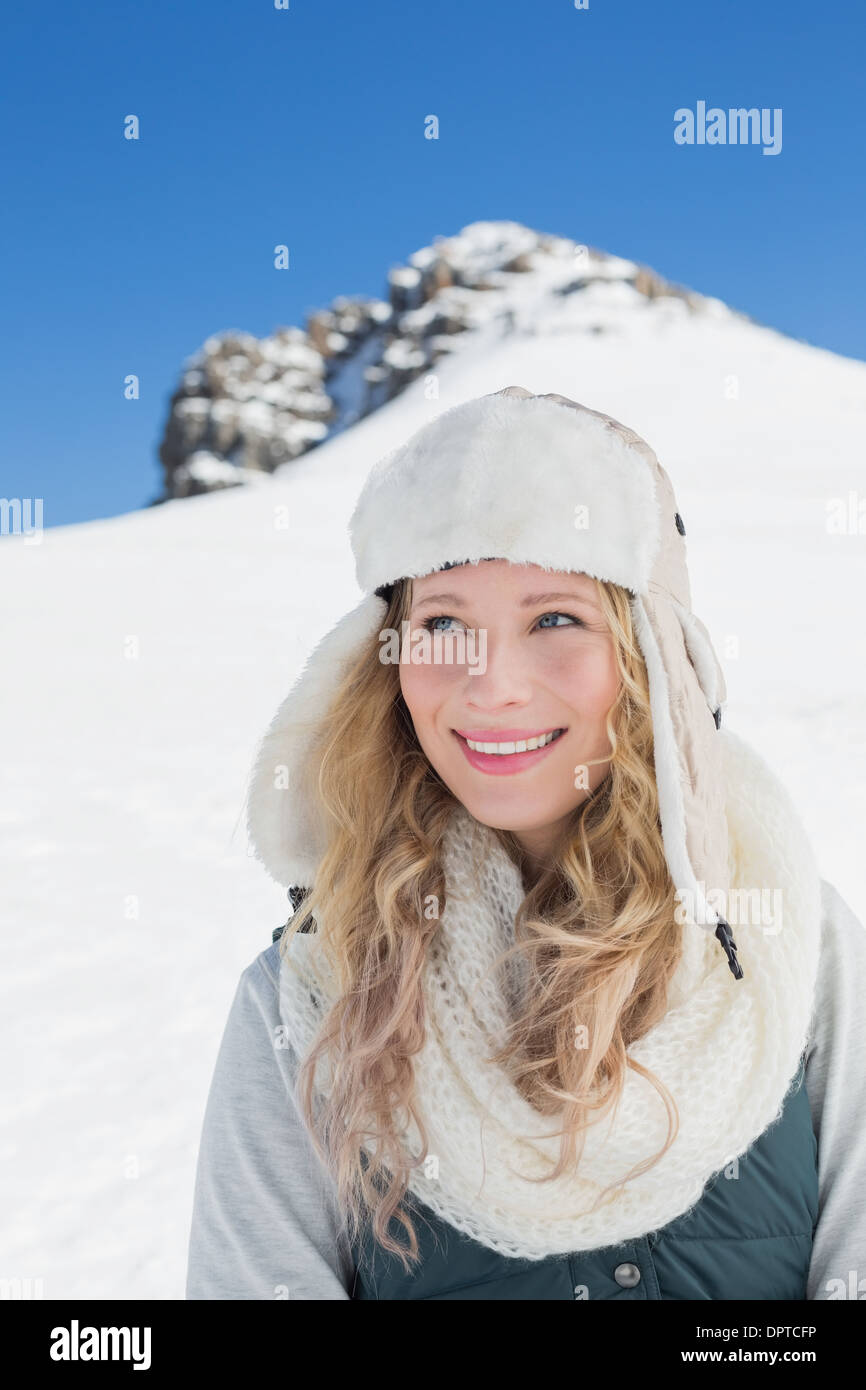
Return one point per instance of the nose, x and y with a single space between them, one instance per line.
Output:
500 677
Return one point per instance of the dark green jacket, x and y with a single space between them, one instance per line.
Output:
749 1237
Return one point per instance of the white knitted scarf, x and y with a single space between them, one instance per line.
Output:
727 1050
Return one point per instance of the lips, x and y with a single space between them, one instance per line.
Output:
505 764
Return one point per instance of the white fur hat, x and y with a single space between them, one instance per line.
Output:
515 476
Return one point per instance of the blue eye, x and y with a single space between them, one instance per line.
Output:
439 618
577 622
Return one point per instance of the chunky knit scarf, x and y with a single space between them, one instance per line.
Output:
726 1050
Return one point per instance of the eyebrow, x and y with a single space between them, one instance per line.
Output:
529 601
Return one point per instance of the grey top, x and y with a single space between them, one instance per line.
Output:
265 1222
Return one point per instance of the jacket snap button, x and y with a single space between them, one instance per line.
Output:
627 1275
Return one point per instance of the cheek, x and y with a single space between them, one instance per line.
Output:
586 678
426 687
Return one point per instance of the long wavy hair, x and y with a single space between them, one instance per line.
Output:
596 929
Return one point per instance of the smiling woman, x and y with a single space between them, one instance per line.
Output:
549 681
511 881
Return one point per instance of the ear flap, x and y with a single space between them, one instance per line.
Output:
284 819
703 657
688 757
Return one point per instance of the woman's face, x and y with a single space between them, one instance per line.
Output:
549 665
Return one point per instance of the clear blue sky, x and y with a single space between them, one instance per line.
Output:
305 126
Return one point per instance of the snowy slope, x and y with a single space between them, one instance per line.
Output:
130 903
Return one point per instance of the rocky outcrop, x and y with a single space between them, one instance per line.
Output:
246 405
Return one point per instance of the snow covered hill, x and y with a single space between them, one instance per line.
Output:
144 656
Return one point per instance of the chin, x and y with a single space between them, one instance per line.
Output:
518 820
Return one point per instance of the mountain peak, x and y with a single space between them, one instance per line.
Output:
245 405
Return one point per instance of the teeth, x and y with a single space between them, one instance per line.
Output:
524 746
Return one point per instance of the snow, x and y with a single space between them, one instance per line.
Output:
209 470
405 277
145 656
